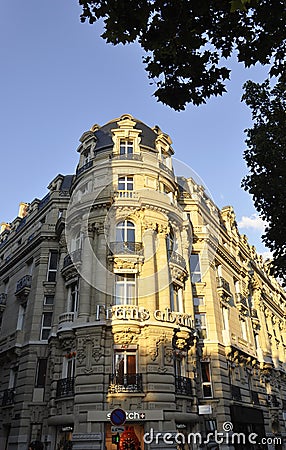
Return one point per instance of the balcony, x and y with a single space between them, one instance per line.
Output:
254 397
125 383
235 393
8 397
128 157
65 387
23 286
66 321
125 194
72 258
241 302
176 258
183 386
223 287
162 166
126 248
84 168
3 300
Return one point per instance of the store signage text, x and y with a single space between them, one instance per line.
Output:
132 312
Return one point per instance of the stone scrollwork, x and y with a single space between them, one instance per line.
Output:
89 350
126 336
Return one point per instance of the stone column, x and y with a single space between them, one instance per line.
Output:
101 272
164 279
148 283
86 275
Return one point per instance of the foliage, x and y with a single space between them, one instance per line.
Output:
187 42
266 160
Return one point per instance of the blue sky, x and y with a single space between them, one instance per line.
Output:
58 78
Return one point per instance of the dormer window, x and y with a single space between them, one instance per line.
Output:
126 147
86 159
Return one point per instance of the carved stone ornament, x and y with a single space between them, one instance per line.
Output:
67 342
89 351
126 336
127 263
182 340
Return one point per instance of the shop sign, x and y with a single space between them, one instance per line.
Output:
139 313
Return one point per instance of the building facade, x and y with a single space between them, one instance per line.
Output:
126 287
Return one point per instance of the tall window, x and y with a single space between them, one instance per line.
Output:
49 299
125 366
13 377
225 318
125 183
41 372
125 289
201 325
76 242
180 366
53 266
125 231
126 147
69 366
46 325
172 244
21 316
243 325
195 268
198 301
206 380
73 297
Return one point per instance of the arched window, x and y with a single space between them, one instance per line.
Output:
125 231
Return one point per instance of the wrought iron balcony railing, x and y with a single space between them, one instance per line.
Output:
125 383
83 168
183 386
177 259
166 169
241 301
24 284
126 248
235 393
65 387
72 258
224 285
8 397
125 194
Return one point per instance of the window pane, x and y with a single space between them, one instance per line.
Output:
130 235
131 364
53 260
49 299
41 373
206 376
45 334
47 319
52 276
207 390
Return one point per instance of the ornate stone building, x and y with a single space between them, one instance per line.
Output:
126 287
